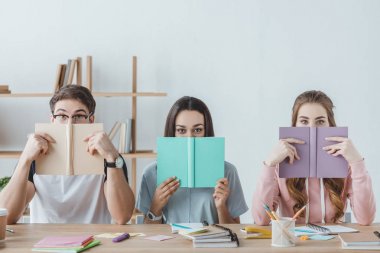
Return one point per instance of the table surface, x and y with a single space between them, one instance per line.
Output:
26 235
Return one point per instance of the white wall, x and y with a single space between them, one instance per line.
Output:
247 60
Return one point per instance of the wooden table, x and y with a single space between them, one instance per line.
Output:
26 235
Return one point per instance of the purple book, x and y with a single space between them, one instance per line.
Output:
314 162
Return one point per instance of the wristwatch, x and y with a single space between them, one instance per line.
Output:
119 163
152 216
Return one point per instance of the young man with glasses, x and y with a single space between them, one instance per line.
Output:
70 199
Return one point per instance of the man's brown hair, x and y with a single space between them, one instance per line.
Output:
76 92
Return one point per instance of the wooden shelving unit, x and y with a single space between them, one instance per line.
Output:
135 154
95 94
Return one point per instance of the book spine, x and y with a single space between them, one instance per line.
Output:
89 72
66 78
128 135
313 152
79 71
122 138
70 151
71 72
114 130
191 162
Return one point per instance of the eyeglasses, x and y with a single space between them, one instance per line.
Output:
76 118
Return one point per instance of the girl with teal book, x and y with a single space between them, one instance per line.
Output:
167 202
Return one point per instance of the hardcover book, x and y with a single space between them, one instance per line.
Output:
69 155
314 161
196 162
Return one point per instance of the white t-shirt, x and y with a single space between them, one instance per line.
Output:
69 199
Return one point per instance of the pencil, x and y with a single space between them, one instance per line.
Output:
299 212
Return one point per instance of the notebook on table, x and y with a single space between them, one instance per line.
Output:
65 244
196 162
313 229
214 236
314 162
223 242
68 250
362 240
69 155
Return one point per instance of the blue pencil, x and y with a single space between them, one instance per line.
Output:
180 226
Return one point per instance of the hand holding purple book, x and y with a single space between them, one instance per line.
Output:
314 161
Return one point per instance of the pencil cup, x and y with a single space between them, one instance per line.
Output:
283 232
3 222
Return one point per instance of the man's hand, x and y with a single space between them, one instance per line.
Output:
99 142
37 144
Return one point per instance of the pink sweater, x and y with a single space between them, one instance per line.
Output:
272 190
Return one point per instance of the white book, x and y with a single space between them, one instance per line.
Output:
125 136
114 130
230 244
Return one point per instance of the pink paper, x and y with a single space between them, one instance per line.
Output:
63 241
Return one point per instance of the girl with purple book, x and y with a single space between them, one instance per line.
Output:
325 199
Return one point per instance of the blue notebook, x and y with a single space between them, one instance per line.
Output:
196 162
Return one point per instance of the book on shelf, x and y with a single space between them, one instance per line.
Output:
4 89
361 241
125 135
69 155
115 128
60 77
67 71
314 161
196 162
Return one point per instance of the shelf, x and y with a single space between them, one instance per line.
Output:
96 94
138 154
10 154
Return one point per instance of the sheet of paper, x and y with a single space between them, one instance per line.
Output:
159 237
321 237
113 235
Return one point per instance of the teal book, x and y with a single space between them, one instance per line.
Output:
196 162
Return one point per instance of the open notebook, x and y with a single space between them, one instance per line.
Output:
196 162
314 162
68 155
312 229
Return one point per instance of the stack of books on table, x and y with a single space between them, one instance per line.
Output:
214 236
4 89
65 243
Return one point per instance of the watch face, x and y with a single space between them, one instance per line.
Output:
119 162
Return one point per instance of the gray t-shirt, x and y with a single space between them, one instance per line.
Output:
192 204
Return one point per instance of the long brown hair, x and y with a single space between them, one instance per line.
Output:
334 186
191 104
